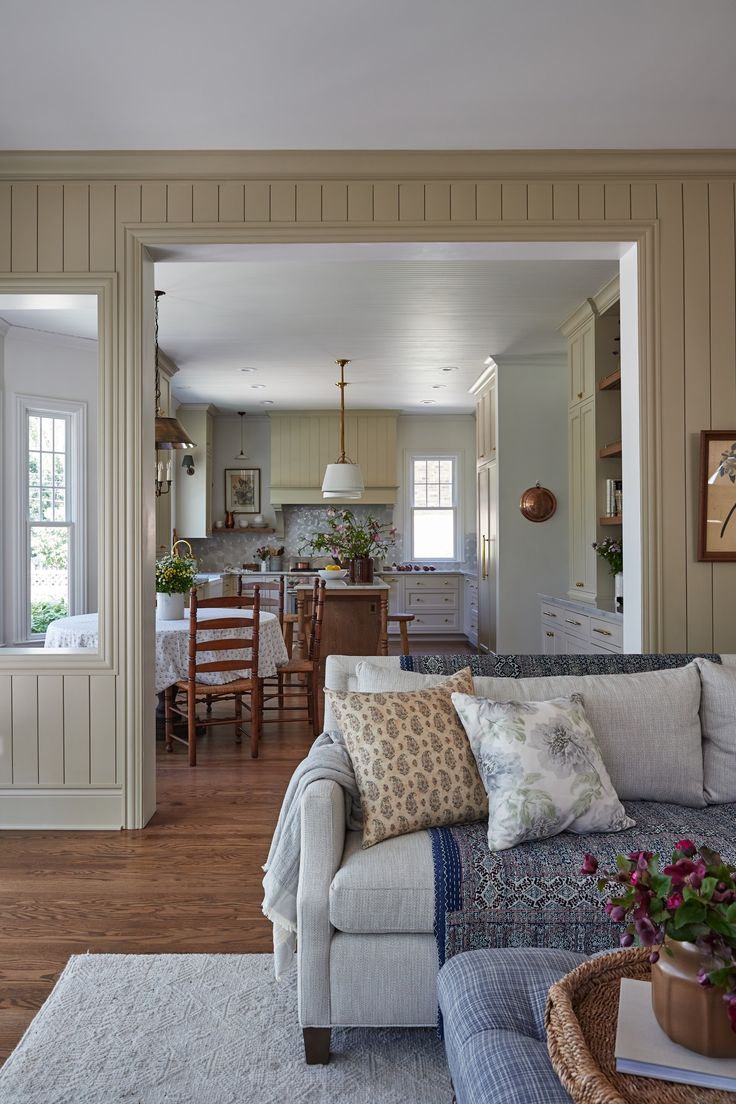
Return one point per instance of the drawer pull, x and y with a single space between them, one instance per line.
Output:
549 634
603 632
572 621
580 584
547 614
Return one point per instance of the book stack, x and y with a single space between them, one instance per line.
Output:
614 497
643 1049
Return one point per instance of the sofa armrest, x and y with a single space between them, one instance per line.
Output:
323 841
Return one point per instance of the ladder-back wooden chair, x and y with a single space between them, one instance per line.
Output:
308 669
273 600
243 688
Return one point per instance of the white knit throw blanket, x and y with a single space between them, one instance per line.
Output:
327 758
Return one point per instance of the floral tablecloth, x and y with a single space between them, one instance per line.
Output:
172 644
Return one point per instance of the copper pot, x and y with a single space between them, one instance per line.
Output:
302 565
692 1016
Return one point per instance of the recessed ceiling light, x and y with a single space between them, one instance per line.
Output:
267 402
450 368
258 386
248 369
428 402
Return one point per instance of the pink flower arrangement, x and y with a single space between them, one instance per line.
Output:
692 899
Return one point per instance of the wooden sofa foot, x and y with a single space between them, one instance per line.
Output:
316 1045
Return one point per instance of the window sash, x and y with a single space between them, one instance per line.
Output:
419 502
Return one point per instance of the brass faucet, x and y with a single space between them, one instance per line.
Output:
176 544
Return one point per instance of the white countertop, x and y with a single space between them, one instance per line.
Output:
347 586
583 607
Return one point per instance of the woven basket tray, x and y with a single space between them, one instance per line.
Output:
581 1016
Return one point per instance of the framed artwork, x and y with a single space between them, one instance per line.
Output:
243 490
717 507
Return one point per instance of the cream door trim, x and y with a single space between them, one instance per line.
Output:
323 165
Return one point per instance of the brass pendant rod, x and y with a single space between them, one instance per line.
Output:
342 385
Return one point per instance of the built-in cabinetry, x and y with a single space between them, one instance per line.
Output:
435 599
576 629
487 509
194 493
164 519
470 608
302 445
594 439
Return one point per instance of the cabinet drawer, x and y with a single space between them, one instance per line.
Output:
436 622
552 614
603 649
607 633
431 582
430 600
575 624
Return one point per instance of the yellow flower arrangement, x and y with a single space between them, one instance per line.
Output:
175 574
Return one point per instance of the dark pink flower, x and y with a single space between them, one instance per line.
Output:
647 931
674 900
626 939
679 871
617 914
590 864
686 846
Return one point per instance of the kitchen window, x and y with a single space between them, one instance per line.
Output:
433 507
52 436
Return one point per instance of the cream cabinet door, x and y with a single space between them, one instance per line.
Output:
582 502
487 527
581 363
485 425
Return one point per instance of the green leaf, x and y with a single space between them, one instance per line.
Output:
707 888
692 911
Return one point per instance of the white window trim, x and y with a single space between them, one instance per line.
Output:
409 458
18 508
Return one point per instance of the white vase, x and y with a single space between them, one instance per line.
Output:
618 592
170 607
265 565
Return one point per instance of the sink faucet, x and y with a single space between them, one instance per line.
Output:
176 544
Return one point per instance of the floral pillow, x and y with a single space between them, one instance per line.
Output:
541 767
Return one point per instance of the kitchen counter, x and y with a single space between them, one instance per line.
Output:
583 607
342 587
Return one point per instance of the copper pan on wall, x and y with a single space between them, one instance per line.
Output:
537 503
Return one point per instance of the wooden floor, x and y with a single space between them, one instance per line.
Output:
189 882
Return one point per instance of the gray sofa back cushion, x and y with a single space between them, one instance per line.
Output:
718 722
647 725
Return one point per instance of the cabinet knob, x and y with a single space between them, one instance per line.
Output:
549 633
580 394
580 584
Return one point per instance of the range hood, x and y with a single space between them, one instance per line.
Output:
303 444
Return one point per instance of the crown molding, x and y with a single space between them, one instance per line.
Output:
363 164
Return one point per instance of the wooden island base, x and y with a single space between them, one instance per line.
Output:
355 620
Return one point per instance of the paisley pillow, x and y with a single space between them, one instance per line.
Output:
542 767
412 760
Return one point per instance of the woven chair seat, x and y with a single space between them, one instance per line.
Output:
202 690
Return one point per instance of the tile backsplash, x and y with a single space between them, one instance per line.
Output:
232 548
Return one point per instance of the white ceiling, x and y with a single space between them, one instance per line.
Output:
68 315
400 321
417 74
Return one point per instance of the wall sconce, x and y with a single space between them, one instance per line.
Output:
188 465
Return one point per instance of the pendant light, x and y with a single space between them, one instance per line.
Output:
241 455
343 479
169 434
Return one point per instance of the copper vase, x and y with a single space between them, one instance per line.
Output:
361 570
692 1016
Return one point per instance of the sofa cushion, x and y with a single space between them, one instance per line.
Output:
373 679
647 726
384 889
542 769
718 721
492 1004
412 760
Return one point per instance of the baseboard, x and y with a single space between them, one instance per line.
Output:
73 809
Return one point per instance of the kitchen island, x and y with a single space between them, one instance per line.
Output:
355 619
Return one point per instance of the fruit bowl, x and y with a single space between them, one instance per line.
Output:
332 576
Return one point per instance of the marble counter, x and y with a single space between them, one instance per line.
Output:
583 607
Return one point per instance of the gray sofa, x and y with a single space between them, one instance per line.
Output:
366 919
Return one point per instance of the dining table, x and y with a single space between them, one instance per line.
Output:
172 644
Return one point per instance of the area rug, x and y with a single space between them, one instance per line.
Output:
204 1029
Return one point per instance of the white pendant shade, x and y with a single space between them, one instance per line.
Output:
343 480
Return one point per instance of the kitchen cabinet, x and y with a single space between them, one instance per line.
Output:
470 608
485 423
487 555
594 438
194 493
568 630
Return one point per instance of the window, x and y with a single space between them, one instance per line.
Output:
433 506
52 504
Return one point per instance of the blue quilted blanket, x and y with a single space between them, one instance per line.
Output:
543 666
534 896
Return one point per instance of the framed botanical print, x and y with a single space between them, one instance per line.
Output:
717 529
243 490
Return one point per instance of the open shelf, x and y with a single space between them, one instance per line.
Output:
612 382
244 529
614 519
609 451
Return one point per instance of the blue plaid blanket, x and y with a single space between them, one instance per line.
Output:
544 666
